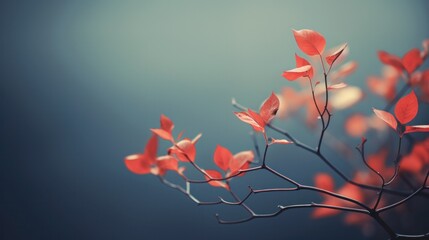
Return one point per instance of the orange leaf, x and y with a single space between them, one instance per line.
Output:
300 62
407 107
166 124
346 97
412 60
309 41
138 163
184 150
331 58
255 116
385 87
425 51
181 171
411 163
196 138
269 108
215 175
387 118
297 72
324 181
151 148
165 163
324 212
351 191
179 136
222 157
356 219
280 141
245 117
378 161
345 70
417 128
162 134
239 161
391 60
356 125
337 86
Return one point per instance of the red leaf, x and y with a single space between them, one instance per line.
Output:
162 134
215 175
425 51
351 191
181 171
412 60
331 58
239 161
357 219
387 118
345 70
165 163
377 161
245 117
385 87
258 119
411 163
300 62
309 41
337 86
179 136
417 128
196 138
166 124
345 97
324 212
184 150
222 157
324 181
269 108
407 107
151 148
391 60
356 125
138 163
297 72
280 141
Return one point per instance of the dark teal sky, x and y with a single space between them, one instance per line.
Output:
82 82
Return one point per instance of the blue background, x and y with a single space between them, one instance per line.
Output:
83 81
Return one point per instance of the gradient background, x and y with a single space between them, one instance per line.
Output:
83 81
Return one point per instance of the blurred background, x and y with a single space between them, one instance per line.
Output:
83 81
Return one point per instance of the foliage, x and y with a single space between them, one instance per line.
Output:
391 172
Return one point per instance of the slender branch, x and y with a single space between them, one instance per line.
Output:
228 177
238 202
256 146
423 187
247 208
396 162
383 224
265 156
324 159
362 153
186 191
288 207
315 102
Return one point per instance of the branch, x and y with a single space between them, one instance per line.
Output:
186 191
423 187
325 160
